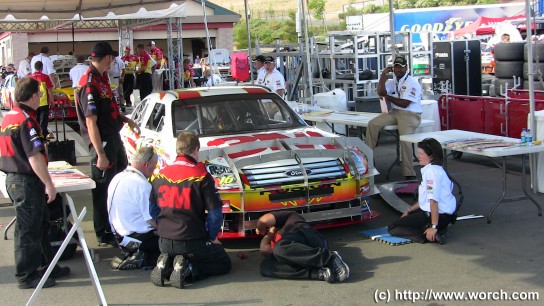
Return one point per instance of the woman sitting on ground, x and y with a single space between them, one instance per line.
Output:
433 212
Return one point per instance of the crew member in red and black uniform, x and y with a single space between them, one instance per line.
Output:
294 250
100 122
23 159
184 191
145 83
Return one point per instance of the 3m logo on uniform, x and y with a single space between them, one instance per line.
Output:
173 197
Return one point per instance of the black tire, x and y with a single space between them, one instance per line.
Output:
509 51
537 85
538 70
538 52
508 69
502 83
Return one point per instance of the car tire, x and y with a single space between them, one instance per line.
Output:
508 69
537 67
538 85
538 52
500 85
513 51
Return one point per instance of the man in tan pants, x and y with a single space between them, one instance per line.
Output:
404 93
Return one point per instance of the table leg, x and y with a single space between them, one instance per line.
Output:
526 195
397 159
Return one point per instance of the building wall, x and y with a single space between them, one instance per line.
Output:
224 39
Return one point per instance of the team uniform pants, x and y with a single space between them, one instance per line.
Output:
32 245
42 116
296 254
128 88
407 123
207 258
115 152
149 245
414 225
145 85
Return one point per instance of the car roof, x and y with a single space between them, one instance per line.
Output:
216 91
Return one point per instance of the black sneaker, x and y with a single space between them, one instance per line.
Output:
133 262
50 282
339 268
322 274
438 239
59 272
108 239
162 270
182 269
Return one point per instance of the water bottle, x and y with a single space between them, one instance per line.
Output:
529 137
523 136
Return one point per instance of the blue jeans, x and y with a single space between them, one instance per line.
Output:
32 245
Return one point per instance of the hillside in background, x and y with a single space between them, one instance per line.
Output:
332 7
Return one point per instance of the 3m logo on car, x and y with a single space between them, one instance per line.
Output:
297 172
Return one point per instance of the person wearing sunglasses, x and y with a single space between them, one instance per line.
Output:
436 204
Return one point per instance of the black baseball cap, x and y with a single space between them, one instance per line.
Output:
101 49
401 61
268 59
259 58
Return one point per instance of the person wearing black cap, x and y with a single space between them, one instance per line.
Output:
273 79
100 122
404 93
261 71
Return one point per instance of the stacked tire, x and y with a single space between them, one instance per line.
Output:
509 60
538 66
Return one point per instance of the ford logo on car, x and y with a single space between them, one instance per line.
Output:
297 172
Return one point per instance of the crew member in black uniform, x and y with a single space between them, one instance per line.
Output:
23 159
184 191
100 122
294 250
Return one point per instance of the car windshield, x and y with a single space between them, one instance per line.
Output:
228 114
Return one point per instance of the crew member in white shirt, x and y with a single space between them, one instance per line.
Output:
78 70
129 212
213 79
261 71
273 79
404 93
24 66
48 68
116 70
436 204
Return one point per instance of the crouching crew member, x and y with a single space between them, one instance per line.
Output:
29 186
184 191
130 219
294 250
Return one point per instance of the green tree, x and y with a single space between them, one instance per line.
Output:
318 8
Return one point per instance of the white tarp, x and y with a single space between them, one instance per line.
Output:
44 10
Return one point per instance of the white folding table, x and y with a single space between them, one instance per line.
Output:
458 135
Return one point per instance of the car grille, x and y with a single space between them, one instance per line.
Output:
292 174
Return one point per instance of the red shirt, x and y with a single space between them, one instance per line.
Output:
43 78
157 56
144 60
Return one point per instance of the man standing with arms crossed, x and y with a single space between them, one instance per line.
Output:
100 122
404 93
29 186
130 60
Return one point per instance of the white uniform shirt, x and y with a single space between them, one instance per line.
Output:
77 72
215 79
24 68
407 88
117 65
436 185
260 76
274 81
128 202
47 64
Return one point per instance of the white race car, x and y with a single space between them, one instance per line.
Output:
261 154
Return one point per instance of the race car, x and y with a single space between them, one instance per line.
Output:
261 154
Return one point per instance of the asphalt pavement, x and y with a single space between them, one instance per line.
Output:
499 260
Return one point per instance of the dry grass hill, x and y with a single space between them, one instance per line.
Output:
332 7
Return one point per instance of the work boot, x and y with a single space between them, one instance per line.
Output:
322 274
50 282
133 262
339 268
162 270
182 269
